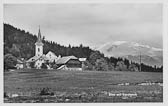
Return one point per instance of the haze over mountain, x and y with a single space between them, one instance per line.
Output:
132 50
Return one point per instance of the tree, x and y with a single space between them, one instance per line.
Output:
15 50
94 56
9 61
111 67
101 65
88 65
133 67
126 62
121 66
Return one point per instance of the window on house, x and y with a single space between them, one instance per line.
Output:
38 49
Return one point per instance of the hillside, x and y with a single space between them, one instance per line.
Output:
21 44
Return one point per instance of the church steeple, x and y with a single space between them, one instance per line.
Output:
39 36
39 45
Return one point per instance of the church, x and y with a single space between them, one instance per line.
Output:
39 57
63 63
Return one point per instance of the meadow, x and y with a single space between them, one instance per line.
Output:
83 86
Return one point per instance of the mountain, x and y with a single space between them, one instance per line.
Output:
132 50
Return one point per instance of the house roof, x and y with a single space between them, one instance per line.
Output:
19 61
32 59
35 58
51 53
65 59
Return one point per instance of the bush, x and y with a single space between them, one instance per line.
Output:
32 64
46 91
44 66
9 61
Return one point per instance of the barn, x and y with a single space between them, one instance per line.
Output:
69 63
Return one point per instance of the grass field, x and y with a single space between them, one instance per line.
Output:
83 86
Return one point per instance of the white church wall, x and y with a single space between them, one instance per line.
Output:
39 50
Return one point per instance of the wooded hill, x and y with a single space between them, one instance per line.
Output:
21 44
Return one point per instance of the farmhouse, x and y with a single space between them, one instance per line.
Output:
63 63
69 63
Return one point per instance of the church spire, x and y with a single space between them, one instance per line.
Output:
39 36
39 45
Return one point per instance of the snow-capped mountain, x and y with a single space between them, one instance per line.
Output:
132 50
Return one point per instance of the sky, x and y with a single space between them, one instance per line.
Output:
89 24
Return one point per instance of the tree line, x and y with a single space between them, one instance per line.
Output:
20 44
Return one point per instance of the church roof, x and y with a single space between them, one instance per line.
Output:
32 59
65 59
19 61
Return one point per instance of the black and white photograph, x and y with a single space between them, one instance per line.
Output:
83 53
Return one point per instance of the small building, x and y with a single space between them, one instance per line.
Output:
69 63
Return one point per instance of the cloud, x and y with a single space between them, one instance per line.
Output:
90 24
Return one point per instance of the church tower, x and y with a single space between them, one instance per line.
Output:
39 45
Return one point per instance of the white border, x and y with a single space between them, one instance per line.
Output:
165 46
84 1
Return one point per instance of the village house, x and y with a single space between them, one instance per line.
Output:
52 57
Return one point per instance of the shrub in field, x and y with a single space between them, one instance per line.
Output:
46 91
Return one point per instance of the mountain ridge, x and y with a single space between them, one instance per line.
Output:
132 51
